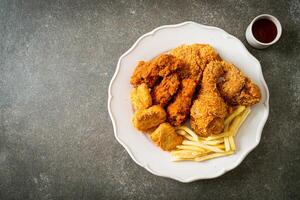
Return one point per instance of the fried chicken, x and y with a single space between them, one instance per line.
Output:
209 109
179 109
165 90
166 137
149 118
140 97
195 57
236 88
151 72
249 95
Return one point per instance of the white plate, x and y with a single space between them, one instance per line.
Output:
139 147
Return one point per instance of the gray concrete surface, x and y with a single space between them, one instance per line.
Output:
56 138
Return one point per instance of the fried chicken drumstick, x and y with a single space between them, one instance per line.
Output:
209 109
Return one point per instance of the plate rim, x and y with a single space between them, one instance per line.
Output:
194 178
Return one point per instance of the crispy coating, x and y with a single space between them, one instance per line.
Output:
165 90
236 88
209 109
233 81
195 57
151 72
140 97
149 118
179 110
166 137
249 95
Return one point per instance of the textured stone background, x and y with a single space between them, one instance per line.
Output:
56 138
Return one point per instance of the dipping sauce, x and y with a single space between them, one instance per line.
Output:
264 30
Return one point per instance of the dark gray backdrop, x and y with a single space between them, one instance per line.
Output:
56 138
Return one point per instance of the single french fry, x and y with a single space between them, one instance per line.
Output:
238 121
190 132
183 133
187 147
231 142
222 135
213 155
220 146
186 153
212 142
204 146
235 113
235 125
227 144
176 158
226 127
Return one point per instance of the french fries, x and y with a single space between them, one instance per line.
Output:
195 148
202 145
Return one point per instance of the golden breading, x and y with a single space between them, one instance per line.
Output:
233 81
237 89
149 118
163 92
195 57
140 97
150 72
166 137
209 110
179 110
249 95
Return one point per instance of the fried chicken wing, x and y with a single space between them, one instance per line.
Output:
249 95
209 109
236 88
166 137
179 109
233 81
151 72
149 118
165 90
195 57
140 97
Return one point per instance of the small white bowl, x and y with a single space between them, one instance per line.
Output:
253 41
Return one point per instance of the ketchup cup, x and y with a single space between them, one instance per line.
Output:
264 31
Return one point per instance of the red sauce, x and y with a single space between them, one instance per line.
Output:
264 30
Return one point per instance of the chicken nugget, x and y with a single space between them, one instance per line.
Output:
166 137
140 97
149 118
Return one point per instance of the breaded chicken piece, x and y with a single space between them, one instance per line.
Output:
209 110
249 95
149 118
151 72
140 97
165 90
233 81
236 88
166 137
179 110
195 57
